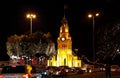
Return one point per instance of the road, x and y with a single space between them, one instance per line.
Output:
91 75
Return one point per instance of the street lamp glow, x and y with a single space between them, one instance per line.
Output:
31 16
97 14
89 15
93 20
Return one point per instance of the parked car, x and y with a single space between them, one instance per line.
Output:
42 73
18 71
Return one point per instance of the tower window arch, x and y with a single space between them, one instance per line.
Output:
66 30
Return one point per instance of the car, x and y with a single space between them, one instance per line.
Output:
18 71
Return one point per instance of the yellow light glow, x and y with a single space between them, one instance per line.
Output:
66 30
29 69
97 14
90 15
31 16
64 55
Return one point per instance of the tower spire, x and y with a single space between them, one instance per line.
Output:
64 20
64 13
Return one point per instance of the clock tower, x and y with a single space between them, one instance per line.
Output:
64 55
64 41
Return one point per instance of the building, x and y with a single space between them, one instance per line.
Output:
64 55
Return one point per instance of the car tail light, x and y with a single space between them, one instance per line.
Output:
25 76
1 76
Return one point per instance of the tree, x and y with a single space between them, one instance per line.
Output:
108 43
29 45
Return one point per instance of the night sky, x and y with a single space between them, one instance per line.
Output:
49 15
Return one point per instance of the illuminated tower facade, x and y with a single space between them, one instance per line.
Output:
64 55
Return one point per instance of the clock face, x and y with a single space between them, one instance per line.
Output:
63 38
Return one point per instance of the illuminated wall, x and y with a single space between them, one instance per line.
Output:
64 55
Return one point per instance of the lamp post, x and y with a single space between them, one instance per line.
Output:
31 16
93 20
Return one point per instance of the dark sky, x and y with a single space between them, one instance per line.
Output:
49 15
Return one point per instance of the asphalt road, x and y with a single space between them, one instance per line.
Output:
91 75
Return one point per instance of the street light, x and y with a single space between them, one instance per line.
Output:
31 16
93 20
